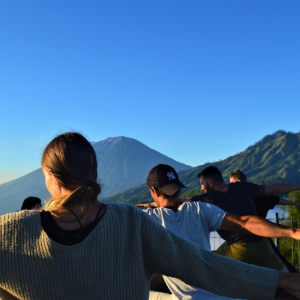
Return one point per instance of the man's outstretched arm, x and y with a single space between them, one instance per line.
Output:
288 202
258 226
275 189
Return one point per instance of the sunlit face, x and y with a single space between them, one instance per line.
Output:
51 184
205 186
232 179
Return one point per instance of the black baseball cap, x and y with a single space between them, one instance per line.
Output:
165 178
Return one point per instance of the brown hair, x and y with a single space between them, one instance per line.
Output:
165 196
237 174
31 203
213 173
72 160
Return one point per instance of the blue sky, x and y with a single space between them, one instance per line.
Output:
195 80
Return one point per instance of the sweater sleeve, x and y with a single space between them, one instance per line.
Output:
172 256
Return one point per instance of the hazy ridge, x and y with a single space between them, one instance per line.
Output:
122 164
273 159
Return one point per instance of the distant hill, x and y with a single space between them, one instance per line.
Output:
273 159
14 192
123 163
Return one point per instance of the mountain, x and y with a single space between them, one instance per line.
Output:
123 163
14 192
273 159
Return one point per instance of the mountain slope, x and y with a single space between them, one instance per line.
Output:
122 164
273 159
14 192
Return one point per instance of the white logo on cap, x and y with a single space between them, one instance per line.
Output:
171 175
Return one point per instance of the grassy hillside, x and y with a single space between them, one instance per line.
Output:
273 159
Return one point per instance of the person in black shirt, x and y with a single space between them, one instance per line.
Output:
236 198
262 205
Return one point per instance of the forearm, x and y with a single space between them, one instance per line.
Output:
281 188
258 226
262 227
289 281
288 202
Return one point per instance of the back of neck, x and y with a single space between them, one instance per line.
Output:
172 203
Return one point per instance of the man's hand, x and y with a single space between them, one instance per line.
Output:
147 205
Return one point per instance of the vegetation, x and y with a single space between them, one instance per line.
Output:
192 193
290 248
273 159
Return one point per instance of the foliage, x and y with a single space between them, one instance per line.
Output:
273 159
290 248
294 211
192 193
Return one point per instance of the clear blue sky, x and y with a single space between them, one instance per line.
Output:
195 80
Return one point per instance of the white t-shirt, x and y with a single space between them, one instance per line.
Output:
193 222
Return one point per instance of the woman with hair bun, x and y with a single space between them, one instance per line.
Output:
237 175
70 168
79 248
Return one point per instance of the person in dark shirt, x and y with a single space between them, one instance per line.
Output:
262 205
236 198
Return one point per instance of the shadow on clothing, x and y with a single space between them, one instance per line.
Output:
158 284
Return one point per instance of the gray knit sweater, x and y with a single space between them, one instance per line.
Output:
115 261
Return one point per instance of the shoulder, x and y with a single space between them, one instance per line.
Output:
133 217
202 197
24 216
14 225
126 212
209 209
244 185
123 209
189 206
154 211
200 208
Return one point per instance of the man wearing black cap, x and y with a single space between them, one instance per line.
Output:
184 220
165 187
194 221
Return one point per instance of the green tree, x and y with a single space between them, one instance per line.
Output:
288 247
192 193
